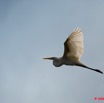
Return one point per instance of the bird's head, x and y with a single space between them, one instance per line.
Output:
56 61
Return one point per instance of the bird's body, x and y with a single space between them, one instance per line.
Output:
63 61
73 50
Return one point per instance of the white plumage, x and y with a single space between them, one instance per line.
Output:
74 45
73 50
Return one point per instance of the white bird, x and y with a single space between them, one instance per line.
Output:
73 50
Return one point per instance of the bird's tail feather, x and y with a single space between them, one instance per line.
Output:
84 66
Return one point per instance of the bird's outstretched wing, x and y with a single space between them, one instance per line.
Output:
73 46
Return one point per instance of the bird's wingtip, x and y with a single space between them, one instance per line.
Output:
77 29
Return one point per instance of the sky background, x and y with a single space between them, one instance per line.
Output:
33 29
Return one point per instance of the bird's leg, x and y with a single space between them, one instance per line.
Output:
84 66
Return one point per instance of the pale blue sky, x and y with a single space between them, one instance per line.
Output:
33 29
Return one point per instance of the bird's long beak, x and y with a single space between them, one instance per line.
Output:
49 58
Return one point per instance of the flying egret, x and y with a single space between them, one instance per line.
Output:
73 50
